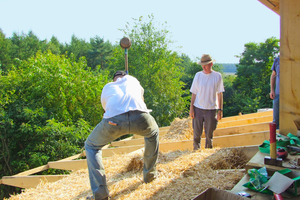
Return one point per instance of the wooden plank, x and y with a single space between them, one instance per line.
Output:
29 181
218 132
245 121
33 171
272 4
128 142
45 167
162 131
247 116
120 150
289 66
241 129
72 157
247 139
131 142
68 164
257 137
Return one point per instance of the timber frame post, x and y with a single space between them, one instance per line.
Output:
289 66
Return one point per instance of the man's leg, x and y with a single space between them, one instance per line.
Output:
102 134
145 125
197 127
96 173
210 124
276 110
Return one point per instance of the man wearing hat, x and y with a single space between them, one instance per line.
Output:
125 113
207 102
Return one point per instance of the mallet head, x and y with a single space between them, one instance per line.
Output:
125 43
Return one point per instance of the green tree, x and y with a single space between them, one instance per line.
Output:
24 46
252 84
156 67
190 69
54 46
48 106
5 58
100 52
77 47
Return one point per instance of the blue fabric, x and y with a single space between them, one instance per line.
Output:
108 130
276 68
276 110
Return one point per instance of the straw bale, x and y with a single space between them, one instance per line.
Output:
181 175
180 129
136 164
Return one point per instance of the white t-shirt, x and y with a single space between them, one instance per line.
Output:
124 95
206 87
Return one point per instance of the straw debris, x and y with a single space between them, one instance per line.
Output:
135 164
180 129
181 175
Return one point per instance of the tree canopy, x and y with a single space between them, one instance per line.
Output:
251 87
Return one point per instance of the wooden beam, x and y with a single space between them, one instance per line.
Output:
33 171
245 121
29 181
68 164
120 150
256 127
272 4
128 142
45 167
241 129
247 139
289 66
162 131
247 116
73 157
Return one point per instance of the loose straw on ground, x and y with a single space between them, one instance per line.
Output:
181 174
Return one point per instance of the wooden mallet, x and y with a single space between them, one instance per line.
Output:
125 43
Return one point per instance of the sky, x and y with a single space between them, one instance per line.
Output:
220 28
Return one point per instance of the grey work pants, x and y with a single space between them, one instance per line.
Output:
108 130
206 118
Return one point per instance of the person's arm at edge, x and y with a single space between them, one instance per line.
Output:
220 103
272 84
192 112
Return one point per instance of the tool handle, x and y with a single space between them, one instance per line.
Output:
278 197
126 60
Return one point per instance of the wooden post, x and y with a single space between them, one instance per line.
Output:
289 66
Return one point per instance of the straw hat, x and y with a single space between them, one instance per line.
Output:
206 59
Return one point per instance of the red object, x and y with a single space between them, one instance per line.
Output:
278 197
272 132
282 153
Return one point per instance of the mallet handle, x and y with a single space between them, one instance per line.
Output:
126 60
273 152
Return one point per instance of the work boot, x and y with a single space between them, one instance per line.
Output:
92 198
101 193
